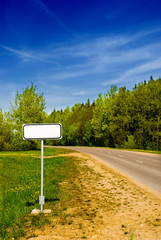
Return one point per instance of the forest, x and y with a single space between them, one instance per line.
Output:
119 118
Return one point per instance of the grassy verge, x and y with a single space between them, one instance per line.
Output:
96 202
88 200
20 186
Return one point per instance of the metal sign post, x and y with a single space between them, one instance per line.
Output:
42 132
42 198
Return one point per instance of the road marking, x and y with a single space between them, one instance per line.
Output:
139 161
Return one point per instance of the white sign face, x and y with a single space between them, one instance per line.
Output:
42 131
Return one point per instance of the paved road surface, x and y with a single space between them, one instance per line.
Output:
144 167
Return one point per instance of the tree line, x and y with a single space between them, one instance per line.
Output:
119 118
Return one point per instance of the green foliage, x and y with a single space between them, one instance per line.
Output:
20 186
97 120
5 132
28 107
115 119
130 143
74 121
89 135
147 115
120 118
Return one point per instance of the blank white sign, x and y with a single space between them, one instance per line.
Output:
42 131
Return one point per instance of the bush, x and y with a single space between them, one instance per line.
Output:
130 143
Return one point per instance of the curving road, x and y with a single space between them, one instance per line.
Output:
144 167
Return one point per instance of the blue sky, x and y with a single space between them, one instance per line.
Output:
73 50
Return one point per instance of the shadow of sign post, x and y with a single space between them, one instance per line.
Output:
42 132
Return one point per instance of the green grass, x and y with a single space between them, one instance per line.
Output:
47 152
20 186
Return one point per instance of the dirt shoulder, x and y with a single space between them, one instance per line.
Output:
99 203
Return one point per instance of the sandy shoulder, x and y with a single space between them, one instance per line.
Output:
104 204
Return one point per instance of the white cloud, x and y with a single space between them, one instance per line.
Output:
81 70
82 93
25 55
146 67
137 72
18 52
119 58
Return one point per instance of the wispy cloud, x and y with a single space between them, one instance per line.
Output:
136 72
18 52
92 47
118 55
146 67
82 93
27 54
93 56
86 68
40 6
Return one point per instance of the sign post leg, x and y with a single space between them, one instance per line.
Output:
41 198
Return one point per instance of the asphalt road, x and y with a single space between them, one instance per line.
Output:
144 167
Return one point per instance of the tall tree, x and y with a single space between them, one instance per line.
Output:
120 117
5 132
28 107
97 120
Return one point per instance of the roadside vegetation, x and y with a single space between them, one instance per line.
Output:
20 186
120 118
88 200
81 197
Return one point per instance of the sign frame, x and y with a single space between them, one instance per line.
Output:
41 124
42 198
